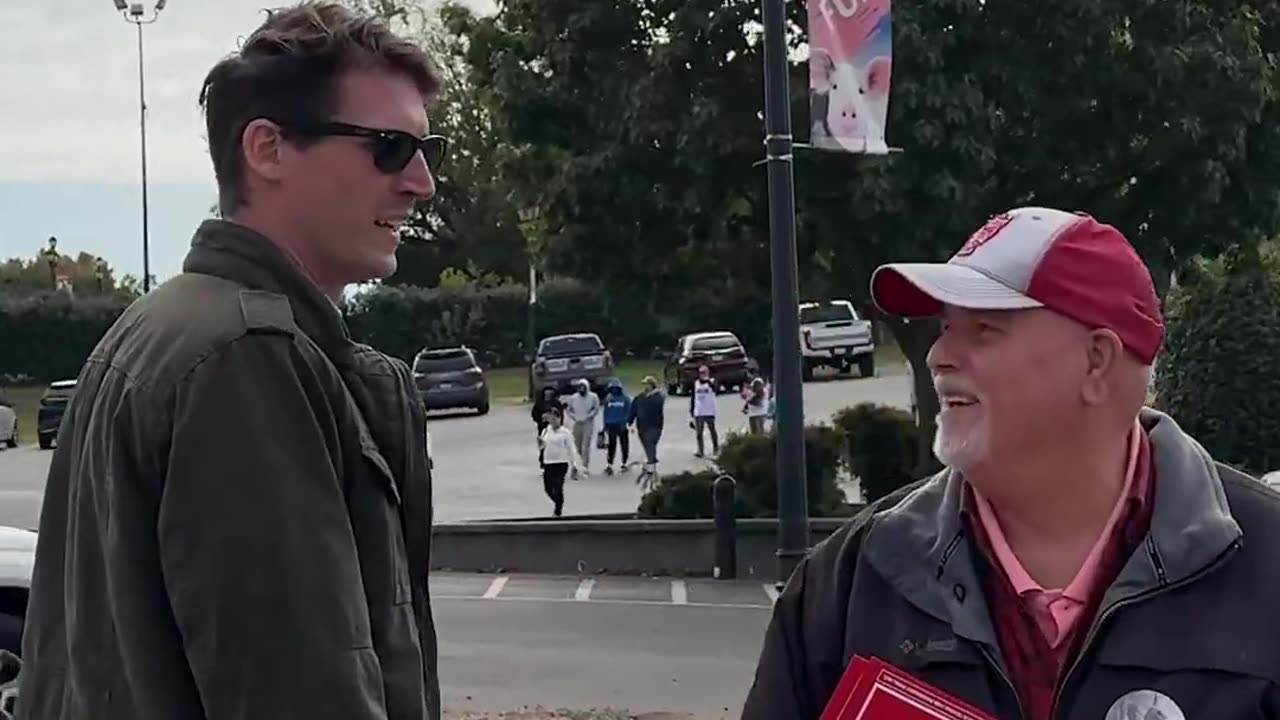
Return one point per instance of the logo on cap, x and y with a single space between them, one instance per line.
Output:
985 233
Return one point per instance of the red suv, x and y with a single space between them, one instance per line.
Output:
721 352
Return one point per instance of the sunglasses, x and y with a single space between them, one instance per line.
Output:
391 149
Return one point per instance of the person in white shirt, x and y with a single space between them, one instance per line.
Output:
581 409
559 454
756 406
702 409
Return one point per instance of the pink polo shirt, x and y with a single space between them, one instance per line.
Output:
1058 610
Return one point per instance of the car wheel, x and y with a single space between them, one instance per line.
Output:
13 439
482 408
46 442
806 371
867 365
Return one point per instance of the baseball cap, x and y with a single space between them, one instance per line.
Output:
1035 257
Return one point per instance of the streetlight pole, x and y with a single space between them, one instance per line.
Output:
793 511
136 14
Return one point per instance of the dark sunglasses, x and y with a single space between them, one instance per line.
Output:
391 149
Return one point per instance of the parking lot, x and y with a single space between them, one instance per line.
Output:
486 466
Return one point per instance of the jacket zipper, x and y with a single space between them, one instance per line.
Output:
1004 677
1132 600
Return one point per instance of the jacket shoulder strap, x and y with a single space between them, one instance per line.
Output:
267 312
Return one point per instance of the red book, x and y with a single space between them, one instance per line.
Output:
871 689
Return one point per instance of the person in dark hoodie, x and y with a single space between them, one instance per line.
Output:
647 416
545 403
617 415
1080 555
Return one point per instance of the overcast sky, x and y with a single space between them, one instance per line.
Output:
69 125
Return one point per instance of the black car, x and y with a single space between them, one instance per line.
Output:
450 378
52 405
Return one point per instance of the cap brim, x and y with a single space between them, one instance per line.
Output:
922 289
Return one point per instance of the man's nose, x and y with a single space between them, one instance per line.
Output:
417 179
940 356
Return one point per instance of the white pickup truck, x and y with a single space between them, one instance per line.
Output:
833 335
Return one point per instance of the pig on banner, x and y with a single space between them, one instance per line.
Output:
850 58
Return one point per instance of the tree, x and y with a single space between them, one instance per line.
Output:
89 274
638 122
471 225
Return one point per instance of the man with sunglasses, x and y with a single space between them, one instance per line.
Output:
237 518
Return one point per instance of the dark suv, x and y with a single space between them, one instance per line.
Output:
52 405
721 352
562 360
450 378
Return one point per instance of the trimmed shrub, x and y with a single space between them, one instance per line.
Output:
684 496
750 459
48 336
1218 376
880 447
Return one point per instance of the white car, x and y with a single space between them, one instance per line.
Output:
8 425
1272 480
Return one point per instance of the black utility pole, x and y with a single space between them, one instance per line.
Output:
793 510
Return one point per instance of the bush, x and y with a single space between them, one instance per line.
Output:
750 459
48 336
685 496
881 446
1217 376
401 320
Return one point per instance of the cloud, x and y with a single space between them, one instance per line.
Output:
69 86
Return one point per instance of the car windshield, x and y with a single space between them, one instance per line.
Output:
830 312
571 345
716 342
444 361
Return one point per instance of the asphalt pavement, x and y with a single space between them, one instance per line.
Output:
487 468
636 646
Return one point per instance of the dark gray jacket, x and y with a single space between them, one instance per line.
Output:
237 518
1194 614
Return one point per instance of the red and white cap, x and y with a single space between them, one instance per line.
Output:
1035 257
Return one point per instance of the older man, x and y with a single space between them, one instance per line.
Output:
1080 554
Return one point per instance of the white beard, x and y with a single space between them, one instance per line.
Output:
961 446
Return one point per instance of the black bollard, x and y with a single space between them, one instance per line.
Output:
724 500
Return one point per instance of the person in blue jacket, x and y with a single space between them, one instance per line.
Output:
617 412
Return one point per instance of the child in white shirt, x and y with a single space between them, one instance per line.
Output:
559 454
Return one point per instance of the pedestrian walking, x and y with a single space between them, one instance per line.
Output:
237 519
581 410
617 413
756 405
702 410
647 416
546 401
560 455
1079 550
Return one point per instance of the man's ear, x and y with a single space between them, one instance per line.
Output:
1103 352
262 145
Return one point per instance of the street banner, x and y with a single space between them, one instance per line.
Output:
850 58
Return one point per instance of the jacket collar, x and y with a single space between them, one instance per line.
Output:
234 252
920 545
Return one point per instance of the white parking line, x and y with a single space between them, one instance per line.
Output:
495 587
679 593
772 591
584 590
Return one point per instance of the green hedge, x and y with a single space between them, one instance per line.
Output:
47 337
1218 376
493 320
